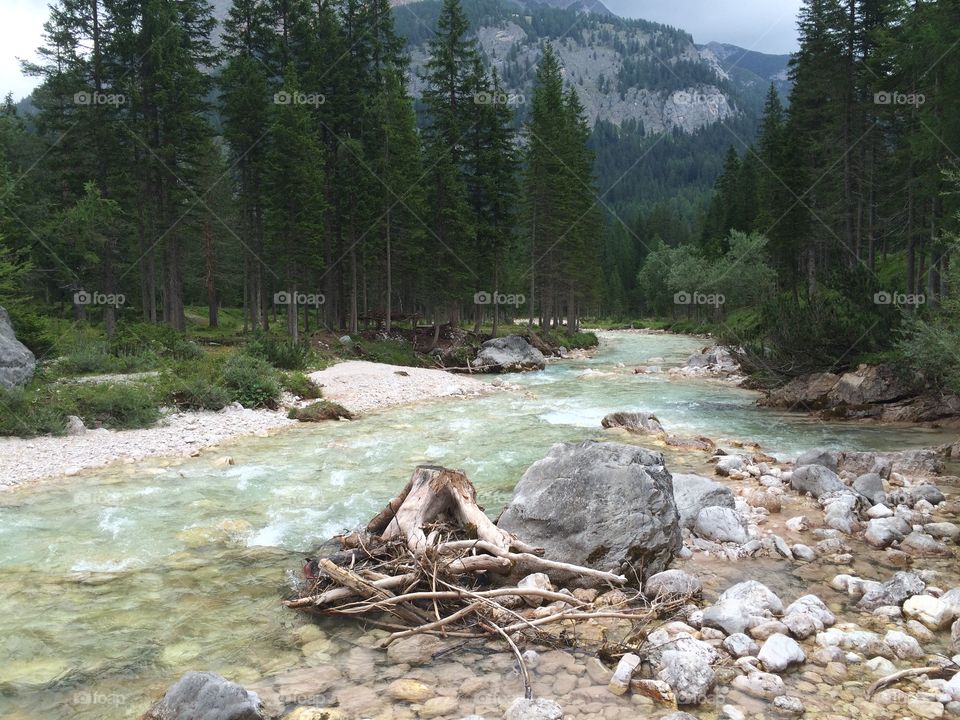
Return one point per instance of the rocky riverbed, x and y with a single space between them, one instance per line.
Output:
792 607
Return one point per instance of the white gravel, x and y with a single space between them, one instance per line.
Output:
362 386
26 459
358 386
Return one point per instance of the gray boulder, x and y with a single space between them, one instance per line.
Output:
755 597
693 493
16 361
509 354
894 591
206 696
672 584
689 676
883 532
813 606
870 384
721 524
923 462
816 480
537 709
819 456
742 606
604 505
930 493
740 645
640 423
870 485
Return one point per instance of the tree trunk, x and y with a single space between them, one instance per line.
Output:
211 262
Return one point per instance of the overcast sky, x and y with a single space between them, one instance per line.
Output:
763 25
768 26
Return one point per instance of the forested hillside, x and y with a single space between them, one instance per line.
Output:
832 237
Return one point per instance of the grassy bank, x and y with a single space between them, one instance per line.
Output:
123 381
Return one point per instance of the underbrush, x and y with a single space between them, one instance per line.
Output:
43 409
390 352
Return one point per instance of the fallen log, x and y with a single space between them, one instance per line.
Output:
434 491
433 562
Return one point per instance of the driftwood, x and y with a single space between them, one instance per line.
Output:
896 677
433 562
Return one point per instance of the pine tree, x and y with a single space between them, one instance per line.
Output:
294 199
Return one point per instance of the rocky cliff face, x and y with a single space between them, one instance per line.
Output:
622 69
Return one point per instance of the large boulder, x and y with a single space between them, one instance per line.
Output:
870 485
639 423
721 525
906 462
693 493
206 696
509 354
808 392
16 361
871 384
816 479
604 505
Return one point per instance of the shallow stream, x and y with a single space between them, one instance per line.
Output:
115 582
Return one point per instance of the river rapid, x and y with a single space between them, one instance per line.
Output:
115 582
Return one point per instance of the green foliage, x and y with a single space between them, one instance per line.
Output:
319 411
390 352
25 412
199 393
133 339
300 385
577 341
931 346
252 382
42 409
281 352
118 406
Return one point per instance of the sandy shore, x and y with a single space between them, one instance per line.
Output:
358 386
363 386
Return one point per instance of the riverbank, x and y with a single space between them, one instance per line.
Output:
357 385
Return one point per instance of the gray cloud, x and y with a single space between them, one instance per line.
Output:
764 25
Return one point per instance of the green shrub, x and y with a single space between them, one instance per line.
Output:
199 393
391 352
251 381
319 411
25 412
162 340
931 346
281 352
120 406
577 341
300 385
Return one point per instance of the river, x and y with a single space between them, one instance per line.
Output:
115 582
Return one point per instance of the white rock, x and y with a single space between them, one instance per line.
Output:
780 652
932 612
879 511
798 523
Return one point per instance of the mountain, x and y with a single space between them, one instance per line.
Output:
624 70
750 69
